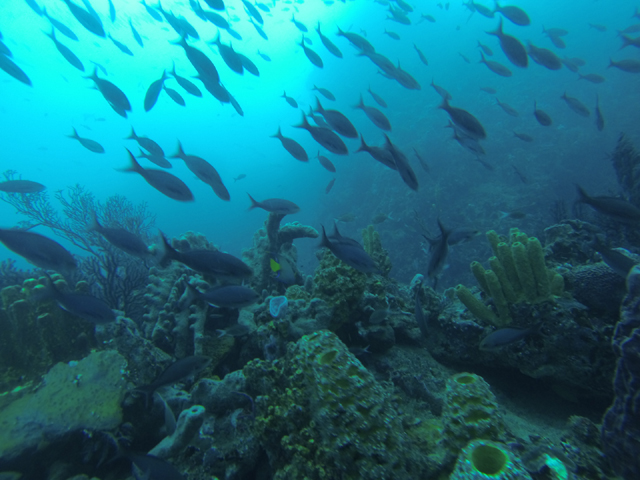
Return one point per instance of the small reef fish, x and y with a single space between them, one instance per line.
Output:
329 186
616 208
463 119
204 171
329 45
21 186
38 250
290 100
87 20
542 117
325 137
282 269
87 143
338 121
153 92
227 296
291 146
376 116
511 46
350 252
120 238
326 163
112 94
176 372
506 336
146 143
324 92
377 98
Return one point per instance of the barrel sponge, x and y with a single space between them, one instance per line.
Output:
484 459
470 411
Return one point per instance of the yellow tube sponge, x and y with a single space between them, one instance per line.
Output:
525 273
499 300
507 288
538 266
506 258
475 306
478 271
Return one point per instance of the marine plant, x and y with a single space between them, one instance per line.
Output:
518 274
116 277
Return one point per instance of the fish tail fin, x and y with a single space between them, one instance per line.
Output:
180 153
254 203
304 123
74 134
94 224
167 252
132 135
278 134
583 197
610 64
319 106
445 103
318 28
135 166
363 145
324 242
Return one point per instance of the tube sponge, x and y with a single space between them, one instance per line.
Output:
479 272
475 306
538 266
189 423
499 300
483 459
525 273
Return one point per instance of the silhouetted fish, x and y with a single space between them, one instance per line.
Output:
325 137
22 186
153 92
463 119
541 116
350 253
328 43
375 115
511 46
204 171
291 146
86 19
65 51
38 250
87 143
112 94
164 182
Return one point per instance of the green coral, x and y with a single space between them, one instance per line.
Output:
470 411
322 415
341 286
79 395
484 459
373 246
36 335
518 274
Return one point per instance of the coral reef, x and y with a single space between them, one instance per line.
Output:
275 241
188 425
482 459
373 246
470 411
36 335
621 423
66 401
518 274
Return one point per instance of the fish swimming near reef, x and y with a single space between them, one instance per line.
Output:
294 148
463 119
87 143
204 171
146 143
213 262
120 238
329 45
506 336
21 186
350 252
282 269
227 296
275 205
613 207
86 19
112 94
376 116
38 250
325 137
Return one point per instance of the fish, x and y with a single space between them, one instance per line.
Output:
151 11
86 19
121 46
263 7
421 55
311 55
218 20
278 206
404 6
613 207
506 336
495 67
204 171
463 119
203 65
349 252
375 115
381 61
324 161
227 296
555 32
508 109
511 46
87 143
626 65
441 91
629 41
380 218
291 146
481 9
253 12
264 56
236 330
616 260
402 165
489 90
248 65
112 94
515 14
439 254
159 160
599 117
4 50
229 55
146 143
215 88
164 182
153 92
61 27
38 250
325 137
176 372
380 154
35 7
87 307
112 12
175 96
65 51
486 50
236 106
378 316
557 41
136 35
337 121
515 215
120 238
283 270
398 15
186 84
429 18
324 92
631 29
346 218
152 467
21 186
541 116
357 41
464 58
520 175
216 4
239 177
208 262
592 77
423 162
318 119
234 34
544 57
328 44
465 141
329 185
405 79
523 136
290 100
299 25
393 35
576 105
14 70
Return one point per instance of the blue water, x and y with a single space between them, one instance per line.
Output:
459 190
